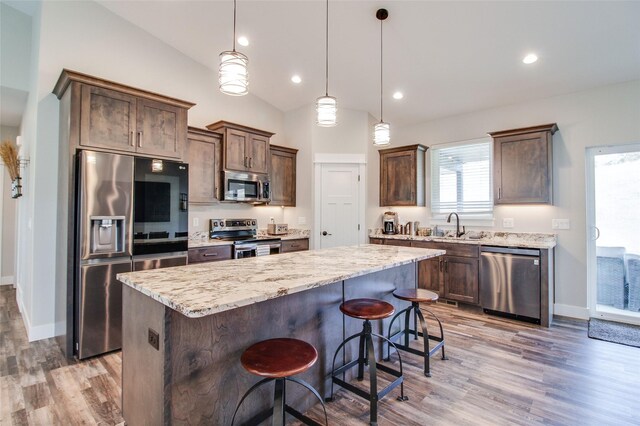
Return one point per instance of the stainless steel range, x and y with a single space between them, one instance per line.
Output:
243 234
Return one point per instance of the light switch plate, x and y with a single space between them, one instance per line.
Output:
508 222
196 222
560 224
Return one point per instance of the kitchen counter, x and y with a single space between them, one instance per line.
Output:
203 240
502 239
205 289
184 328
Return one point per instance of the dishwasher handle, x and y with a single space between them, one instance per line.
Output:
510 250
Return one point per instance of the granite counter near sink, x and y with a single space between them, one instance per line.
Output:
501 239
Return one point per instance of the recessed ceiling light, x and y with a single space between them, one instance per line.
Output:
243 41
530 58
296 79
398 95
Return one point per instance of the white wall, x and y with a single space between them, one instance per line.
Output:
85 37
8 207
15 43
603 116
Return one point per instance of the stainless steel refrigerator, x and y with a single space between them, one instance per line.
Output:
104 220
131 214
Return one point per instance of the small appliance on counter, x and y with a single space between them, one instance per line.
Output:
277 228
389 222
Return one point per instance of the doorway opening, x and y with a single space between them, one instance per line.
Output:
613 249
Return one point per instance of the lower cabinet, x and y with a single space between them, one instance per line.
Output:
209 254
289 246
453 276
401 243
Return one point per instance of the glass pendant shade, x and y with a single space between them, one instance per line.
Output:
234 76
381 134
327 110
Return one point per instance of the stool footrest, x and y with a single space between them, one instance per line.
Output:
414 351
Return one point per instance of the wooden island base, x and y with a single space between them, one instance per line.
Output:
194 375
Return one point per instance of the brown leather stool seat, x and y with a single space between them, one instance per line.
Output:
367 310
417 296
277 360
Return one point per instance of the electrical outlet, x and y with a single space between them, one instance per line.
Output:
508 222
271 219
154 339
302 220
196 222
560 224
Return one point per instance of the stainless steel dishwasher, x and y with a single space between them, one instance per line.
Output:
510 282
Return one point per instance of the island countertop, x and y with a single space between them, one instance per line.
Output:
208 288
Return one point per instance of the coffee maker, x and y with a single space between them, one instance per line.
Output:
389 222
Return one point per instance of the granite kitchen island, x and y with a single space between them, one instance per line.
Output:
185 328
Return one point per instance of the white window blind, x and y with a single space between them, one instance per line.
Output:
461 178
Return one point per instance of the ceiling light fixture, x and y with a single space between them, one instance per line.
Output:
296 79
398 95
530 58
233 77
327 106
243 41
381 131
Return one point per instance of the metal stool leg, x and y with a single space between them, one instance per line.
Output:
373 381
444 357
251 389
333 364
314 392
279 399
425 340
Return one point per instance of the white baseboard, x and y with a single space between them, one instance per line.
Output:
6 280
571 311
38 332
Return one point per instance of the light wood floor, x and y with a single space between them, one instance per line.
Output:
499 372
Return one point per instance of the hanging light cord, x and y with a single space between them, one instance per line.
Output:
234 25
326 88
381 120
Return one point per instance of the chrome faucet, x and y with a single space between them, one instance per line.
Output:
458 233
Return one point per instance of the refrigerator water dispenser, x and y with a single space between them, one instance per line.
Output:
107 234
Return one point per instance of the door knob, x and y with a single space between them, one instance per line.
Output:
325 233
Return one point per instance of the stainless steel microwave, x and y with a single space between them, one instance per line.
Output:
246 187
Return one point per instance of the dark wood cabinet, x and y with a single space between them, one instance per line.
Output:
402 176
244 148
117 120
204 154
289 246
376 241
453 276
209 254
523 165
400 243
283 176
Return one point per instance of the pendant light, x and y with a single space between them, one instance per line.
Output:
381 135
233 77
326 106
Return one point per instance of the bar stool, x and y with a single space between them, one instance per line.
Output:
367 310
279 359
417 296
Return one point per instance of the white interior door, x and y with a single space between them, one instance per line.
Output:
613 203
339 205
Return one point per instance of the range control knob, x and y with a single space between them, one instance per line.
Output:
253 222
247 223
221 224
215 224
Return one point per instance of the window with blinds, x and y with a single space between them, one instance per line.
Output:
461 178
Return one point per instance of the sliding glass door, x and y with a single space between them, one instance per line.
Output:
613 217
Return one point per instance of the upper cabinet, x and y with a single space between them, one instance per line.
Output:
204 155
402 175
283 176
244 149
113 117
523 165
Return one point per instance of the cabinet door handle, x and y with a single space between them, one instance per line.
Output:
250 162
140 139
441 265
244 163
210 254
131 138
446 266
499 193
